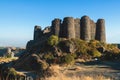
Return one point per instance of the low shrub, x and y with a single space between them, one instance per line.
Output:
53 40
68 59
95 53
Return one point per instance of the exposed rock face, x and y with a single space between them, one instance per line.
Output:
85 28
67 46
77 28
29 62
100 30
8 50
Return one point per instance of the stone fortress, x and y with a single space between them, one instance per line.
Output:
84 28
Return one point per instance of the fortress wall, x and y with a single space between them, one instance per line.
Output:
37 32
77 28
93 29
63 30
85 28
56 23
100 30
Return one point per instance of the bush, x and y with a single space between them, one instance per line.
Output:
81 46
68 59
53 40
8 56
49 57
84 56
12 71
108 55
95 53
74 55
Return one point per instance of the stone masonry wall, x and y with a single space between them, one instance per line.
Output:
93 29
77 28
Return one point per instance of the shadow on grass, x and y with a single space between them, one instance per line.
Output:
103 64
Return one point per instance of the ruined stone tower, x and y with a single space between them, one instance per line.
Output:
84 28
55 28
100 30
68 24
37 32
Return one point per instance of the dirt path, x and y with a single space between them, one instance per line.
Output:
96 68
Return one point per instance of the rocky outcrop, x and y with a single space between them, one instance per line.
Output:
29 62
67 46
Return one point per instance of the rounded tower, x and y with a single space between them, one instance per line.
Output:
85 28
56 23
37 32
68 24
100 30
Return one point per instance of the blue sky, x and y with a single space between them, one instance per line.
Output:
18 17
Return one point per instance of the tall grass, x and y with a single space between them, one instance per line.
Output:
62 76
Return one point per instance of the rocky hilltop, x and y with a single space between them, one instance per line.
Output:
62 43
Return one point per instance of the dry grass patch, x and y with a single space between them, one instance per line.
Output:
3 59
62 75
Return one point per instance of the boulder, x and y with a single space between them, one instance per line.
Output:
67 46
31 62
